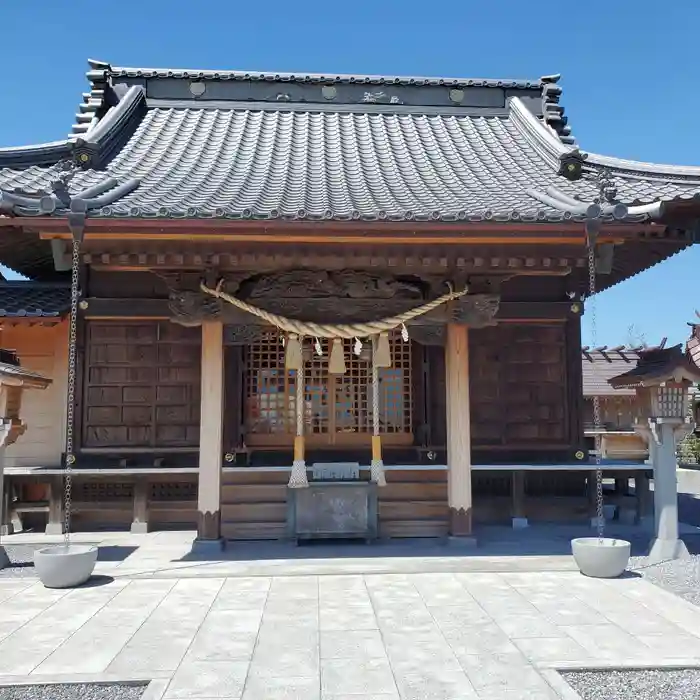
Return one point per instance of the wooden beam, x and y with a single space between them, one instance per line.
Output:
538 310
164 227
330 237
95 308
144 308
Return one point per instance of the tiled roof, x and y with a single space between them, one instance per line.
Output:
602 364
188 144
28 379
693 345
34 299
657 365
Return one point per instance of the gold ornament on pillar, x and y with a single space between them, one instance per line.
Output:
336 362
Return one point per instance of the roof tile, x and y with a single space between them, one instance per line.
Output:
243 163
33 300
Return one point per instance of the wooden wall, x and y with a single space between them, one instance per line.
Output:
518 384
525 391
412 504
141 385
43 349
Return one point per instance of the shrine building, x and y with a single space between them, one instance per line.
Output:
315 305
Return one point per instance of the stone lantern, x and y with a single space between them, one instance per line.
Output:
13 381
662 380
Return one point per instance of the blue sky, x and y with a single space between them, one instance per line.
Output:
630 79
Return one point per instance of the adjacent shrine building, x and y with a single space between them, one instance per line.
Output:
378 278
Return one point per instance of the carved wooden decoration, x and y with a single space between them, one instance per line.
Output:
344 284
427 334
244 334
343 296
191 308
474 310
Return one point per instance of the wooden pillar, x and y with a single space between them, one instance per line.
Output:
55 519
519 518
139 524
211 434
459 478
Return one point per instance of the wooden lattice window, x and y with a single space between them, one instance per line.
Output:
338 408
142 385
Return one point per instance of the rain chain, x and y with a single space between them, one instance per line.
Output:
70 417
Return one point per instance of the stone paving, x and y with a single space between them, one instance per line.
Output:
493 636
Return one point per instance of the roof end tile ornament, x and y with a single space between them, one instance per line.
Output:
94 102
604 206
553 112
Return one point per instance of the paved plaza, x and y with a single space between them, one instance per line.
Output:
493 635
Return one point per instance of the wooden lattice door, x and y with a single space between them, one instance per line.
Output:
337 408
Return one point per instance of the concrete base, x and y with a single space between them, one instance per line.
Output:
208 548
627 516
4 559
666 550
520 523
54 529
139 528
465 541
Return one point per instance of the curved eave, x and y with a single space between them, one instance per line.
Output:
108 131
544 139
42 154
630 263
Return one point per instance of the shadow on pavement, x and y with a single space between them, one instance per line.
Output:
490 541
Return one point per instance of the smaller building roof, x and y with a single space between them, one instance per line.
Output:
692 346
27 299
658 365
602 364
12 374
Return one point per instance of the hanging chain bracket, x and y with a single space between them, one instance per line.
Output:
607 192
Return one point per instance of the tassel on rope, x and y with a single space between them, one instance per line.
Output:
336 362
404 333
377 463
298 478
293 356
383 354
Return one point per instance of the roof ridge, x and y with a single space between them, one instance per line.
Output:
643 169
273 76
541 136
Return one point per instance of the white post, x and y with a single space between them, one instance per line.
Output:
5 428
666 544
459 458
210 438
